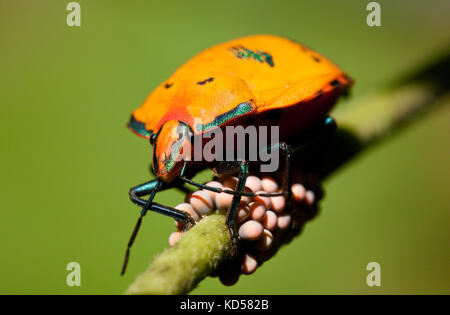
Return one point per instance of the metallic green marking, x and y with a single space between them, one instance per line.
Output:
244 53
268 58
239 110
169 162
151 185
139 127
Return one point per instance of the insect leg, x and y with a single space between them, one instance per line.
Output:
143 189
227 191
135 194
286 150
231 214
151 187
287 179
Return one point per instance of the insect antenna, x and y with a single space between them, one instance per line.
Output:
137 227
130 243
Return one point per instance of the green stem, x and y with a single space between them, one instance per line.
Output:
178 269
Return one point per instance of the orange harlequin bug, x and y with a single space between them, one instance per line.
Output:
262 79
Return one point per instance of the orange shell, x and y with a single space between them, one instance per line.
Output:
262 72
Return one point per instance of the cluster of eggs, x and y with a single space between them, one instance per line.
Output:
260 220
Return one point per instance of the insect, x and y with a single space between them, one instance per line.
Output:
262 79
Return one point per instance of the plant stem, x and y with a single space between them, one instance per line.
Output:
178 269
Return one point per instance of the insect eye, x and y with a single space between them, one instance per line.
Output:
153 138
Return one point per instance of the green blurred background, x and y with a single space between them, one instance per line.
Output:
67 159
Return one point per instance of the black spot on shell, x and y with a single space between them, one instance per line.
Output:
168 85
316 59
335 83
205 81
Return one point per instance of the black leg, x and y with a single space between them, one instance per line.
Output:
151 188
226 191
231 214
287 179
148 188
229 191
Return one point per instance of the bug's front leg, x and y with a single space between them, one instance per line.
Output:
287 179
231 214
287 153
151 188
148 188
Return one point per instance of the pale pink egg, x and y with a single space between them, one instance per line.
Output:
174 237
278 203
247 199
249 264
214 184
270 220
284 221
223 201
254 183
243 212
298 192
186 207
309 197
231 183
201 202
265 242
269 185
251 230
263 200
257 211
